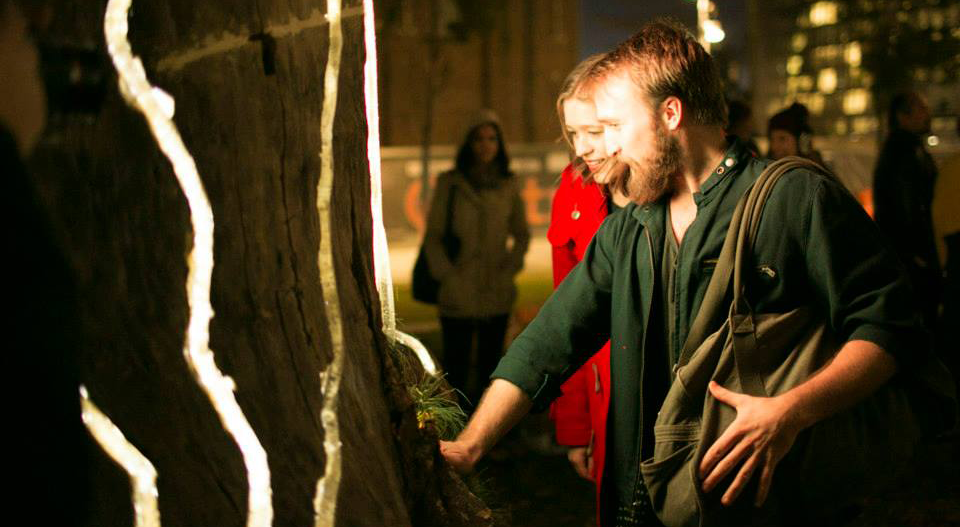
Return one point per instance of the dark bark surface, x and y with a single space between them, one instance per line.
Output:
251 118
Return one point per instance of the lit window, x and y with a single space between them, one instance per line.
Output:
827 52
794 64
864 125
799 42
800 83
936 19
815 102
943 125
827 80
823 13
775 106
855 101
853 54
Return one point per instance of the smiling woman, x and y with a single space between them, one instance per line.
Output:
582 201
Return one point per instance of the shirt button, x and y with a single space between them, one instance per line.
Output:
575 214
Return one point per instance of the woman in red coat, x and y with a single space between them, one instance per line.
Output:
581 203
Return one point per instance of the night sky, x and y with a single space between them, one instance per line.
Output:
603 24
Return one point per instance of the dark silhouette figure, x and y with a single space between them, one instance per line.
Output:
46 451
903 184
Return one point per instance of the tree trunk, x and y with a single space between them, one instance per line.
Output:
248 84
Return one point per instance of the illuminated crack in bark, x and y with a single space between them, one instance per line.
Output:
143 477
328 486
158 108
381 253
227 42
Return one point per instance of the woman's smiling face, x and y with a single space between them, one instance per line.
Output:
585 132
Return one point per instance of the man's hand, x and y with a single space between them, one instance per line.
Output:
501 407
460 455
757 439
582 461
766 427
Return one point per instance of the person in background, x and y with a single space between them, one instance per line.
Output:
488 222
47 445
903 183
582 201
740 124
790 134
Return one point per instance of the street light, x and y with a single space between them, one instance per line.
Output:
708 30
712 32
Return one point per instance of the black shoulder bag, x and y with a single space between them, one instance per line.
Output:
425 286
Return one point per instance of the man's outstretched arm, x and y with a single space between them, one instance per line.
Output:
501 407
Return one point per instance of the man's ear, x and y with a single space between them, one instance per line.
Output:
671 111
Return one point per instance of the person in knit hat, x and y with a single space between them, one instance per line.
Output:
475 241
790 134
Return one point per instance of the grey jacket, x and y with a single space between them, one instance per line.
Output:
491 226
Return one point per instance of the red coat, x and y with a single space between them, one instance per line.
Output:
580 414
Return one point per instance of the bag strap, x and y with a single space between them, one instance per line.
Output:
741 234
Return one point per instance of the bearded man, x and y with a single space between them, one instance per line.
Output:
644 276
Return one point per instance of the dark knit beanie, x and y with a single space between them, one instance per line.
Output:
793 120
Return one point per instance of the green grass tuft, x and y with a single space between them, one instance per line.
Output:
437 407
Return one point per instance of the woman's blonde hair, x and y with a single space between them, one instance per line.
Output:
572 87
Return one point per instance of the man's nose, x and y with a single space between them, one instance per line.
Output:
612 142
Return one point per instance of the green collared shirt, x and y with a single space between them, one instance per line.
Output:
816 246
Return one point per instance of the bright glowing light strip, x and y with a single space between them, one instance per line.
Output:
328 486
381 252
158 108
143 477
381 256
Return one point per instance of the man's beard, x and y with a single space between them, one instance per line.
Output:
650 181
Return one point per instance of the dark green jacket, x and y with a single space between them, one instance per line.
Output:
816 247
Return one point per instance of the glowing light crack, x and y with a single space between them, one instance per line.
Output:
143 477
227 42
381 252
328 486
158 108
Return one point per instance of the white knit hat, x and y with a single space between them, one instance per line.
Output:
483 116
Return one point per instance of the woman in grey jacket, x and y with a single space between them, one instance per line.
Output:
476 270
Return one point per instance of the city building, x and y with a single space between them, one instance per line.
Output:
845 58
443 60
